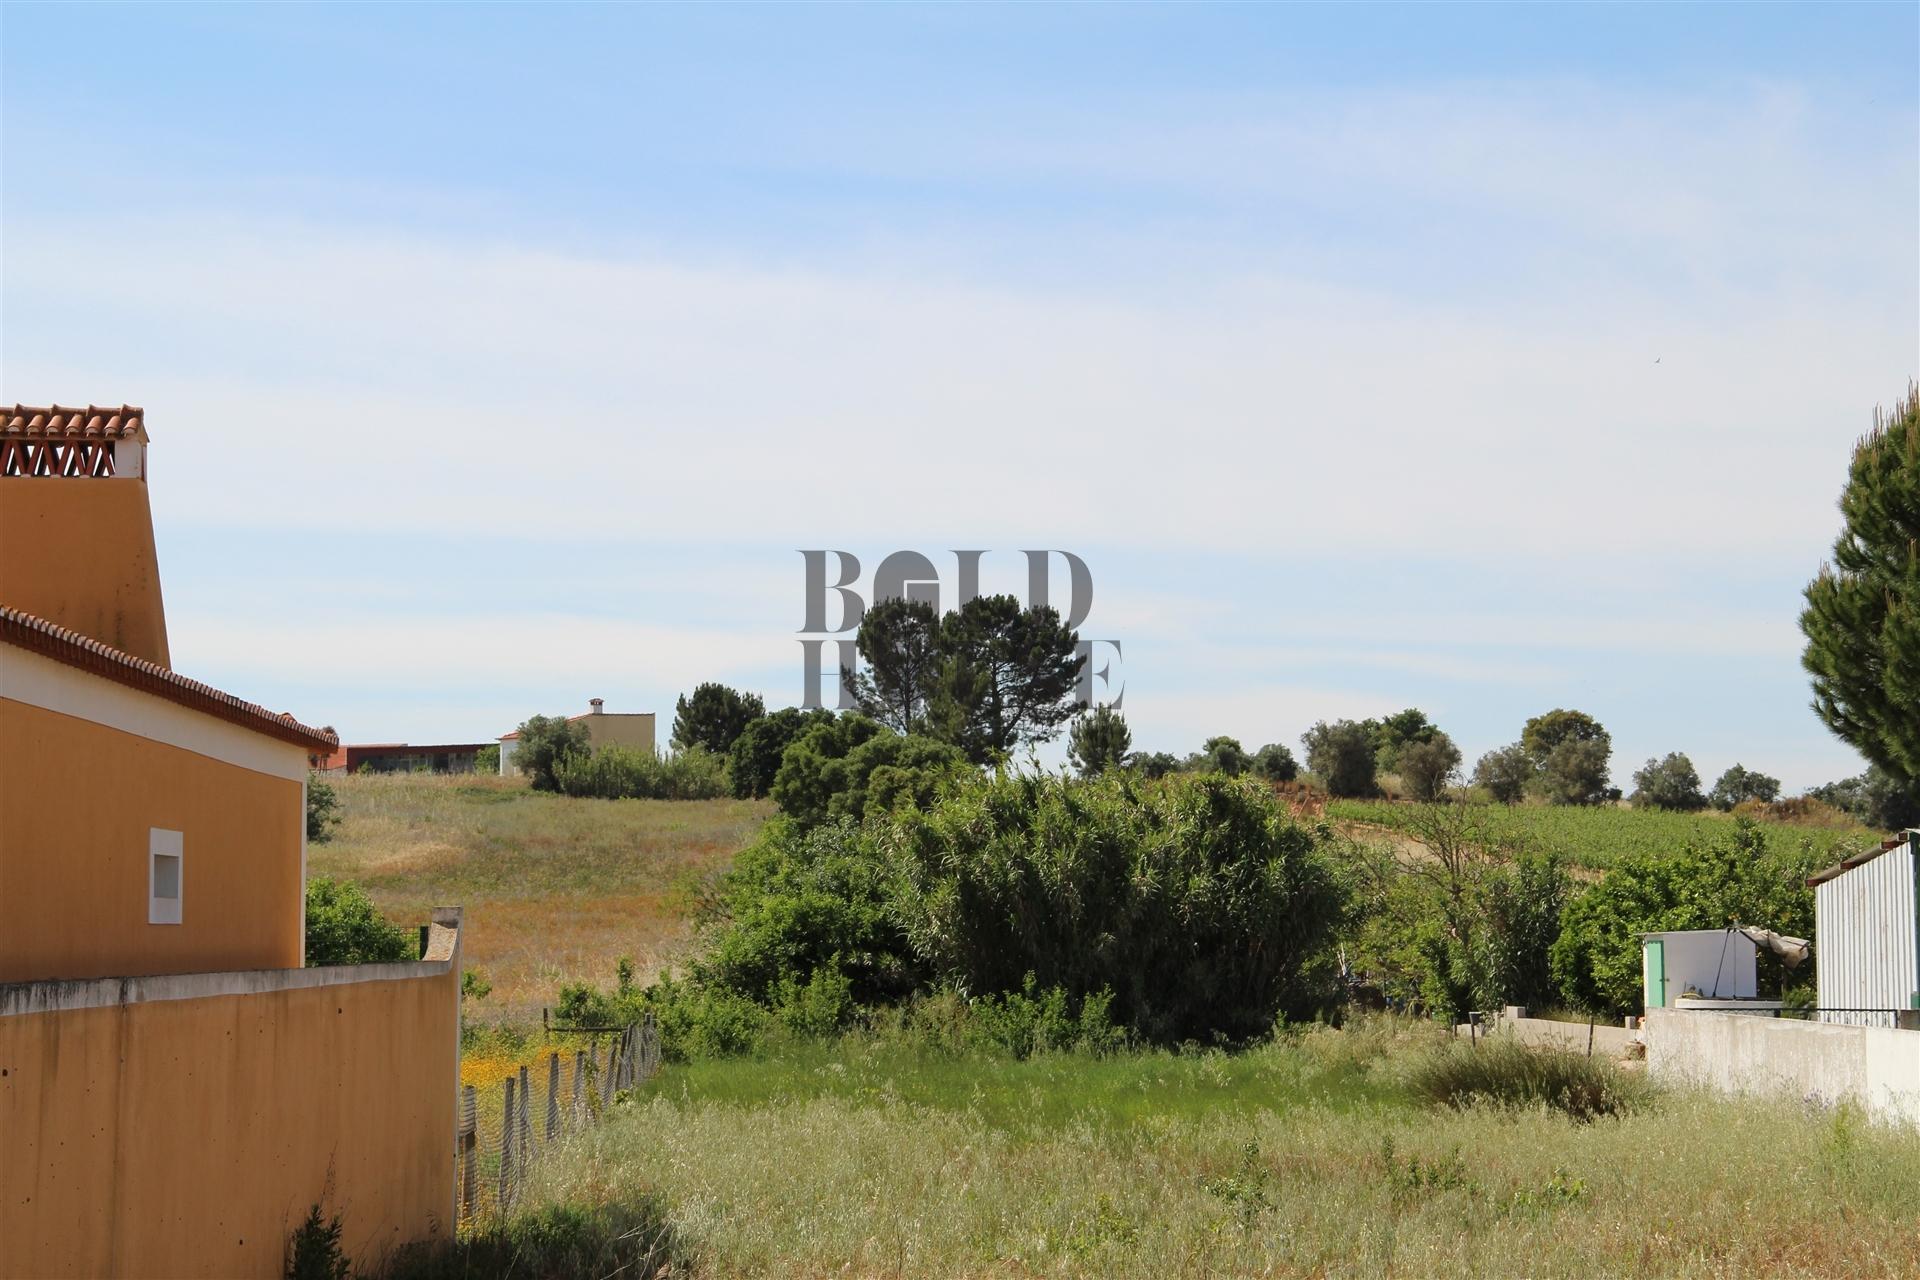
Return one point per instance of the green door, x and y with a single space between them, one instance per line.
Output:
1656 973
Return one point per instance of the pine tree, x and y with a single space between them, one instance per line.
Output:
713 717
900 640
1008 677
1862 619
1099 741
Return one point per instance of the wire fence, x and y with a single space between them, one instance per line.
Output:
1854 1017
498 1139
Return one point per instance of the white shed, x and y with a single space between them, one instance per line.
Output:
1867 929
1707 965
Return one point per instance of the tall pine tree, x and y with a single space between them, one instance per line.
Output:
1008 677
1862 619
900 640
1099 741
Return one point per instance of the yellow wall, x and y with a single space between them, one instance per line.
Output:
620 730
77 800
188 1137
79 552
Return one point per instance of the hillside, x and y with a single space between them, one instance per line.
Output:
555 889
1599 837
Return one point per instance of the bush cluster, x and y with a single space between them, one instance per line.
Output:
1201 905
631 773
853 767
1500 1071
343 927
1468 926
1064 913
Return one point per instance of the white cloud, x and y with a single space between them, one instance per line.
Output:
418 385
398 651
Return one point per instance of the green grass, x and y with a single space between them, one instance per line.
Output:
1046 1092
1599 837
1311 1157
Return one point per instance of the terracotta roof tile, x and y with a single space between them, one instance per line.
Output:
56 642
54 422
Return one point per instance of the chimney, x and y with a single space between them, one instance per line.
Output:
73 497
595 706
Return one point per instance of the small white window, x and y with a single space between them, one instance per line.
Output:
164 875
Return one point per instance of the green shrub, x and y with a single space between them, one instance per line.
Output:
853 767
802 902
344 928
821 1006
635 773
487 759
1029 1021
1200 903
323 809
1467 925
1524 904
314 1251
694 1019
1500 1071
754 759
697 1021
545 742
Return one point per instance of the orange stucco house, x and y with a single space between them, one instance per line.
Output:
175 1088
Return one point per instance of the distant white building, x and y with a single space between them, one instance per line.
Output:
1867 930
604 729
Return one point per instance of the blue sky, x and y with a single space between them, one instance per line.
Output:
1484 359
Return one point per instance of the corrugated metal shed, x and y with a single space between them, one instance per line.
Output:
1866 915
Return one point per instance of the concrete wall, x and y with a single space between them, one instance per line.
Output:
1607 1039
80 553
91 769
1877 1067
181 1126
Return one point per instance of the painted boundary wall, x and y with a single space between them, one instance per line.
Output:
1878 1067
182 1125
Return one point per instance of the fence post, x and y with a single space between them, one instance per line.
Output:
505 1197
526 1123
469 1147
606 1078
579 1084
553 1096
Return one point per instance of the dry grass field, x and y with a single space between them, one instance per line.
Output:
555 889
1303 1158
